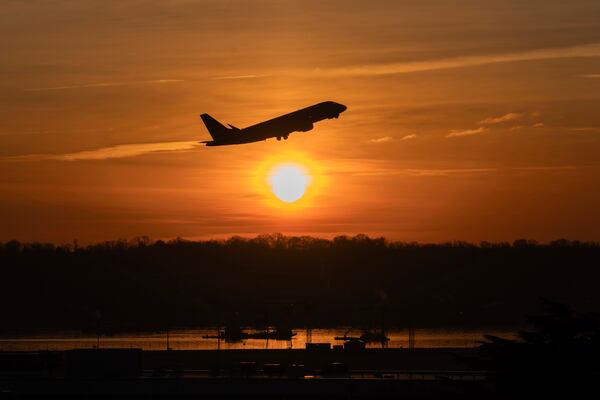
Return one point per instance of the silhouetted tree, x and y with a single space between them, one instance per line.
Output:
559 356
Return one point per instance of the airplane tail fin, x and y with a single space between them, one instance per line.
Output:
217 130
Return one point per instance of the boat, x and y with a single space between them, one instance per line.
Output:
277 334
230 334
367 336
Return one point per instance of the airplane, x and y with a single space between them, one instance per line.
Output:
298 121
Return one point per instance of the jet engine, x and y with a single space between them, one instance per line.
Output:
306 128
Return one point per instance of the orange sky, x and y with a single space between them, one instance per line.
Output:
477 121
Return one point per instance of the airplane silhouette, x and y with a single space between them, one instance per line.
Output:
298 121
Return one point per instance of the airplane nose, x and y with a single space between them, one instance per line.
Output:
343 108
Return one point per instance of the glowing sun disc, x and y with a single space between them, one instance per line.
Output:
289 182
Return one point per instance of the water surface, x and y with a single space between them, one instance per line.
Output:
192 339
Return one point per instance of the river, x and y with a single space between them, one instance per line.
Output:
192 339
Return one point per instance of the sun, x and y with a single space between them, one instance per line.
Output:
289 182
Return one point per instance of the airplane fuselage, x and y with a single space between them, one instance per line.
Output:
280 127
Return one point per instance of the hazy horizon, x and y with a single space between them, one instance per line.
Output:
147 240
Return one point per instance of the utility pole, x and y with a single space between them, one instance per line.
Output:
411 338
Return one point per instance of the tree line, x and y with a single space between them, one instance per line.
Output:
143 284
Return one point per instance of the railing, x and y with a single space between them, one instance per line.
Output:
416 375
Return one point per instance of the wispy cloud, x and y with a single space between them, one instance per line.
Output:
589 76
536 125
587 129
238 77
466 132
384 139
547 168
447 172
104 153
56 132
409 137
103 84
372 167
426 172
587 50
503 118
